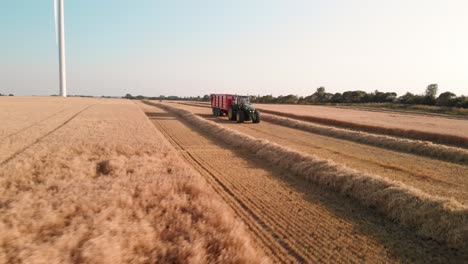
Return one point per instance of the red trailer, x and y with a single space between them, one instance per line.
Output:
236 107
220 103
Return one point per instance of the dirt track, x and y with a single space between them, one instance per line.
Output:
291 219
433 176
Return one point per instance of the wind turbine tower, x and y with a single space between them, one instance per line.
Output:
60 35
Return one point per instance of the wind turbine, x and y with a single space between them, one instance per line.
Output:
60 39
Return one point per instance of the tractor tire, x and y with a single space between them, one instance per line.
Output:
240 116
256 117
231 114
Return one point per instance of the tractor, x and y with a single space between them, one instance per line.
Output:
237 108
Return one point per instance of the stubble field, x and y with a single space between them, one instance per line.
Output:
423 193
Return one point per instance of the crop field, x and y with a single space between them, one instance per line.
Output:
122 181
434 176
406 121
441 129
413 193
93 181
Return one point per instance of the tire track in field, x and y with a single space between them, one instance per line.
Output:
15 154
255 224
270 236
21 130
320 226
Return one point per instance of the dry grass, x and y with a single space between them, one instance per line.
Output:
439 218
436 129
108 188
423 148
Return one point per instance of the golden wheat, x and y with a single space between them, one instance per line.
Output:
106 187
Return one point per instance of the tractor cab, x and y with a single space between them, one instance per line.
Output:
242 100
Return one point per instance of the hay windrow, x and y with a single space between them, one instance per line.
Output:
442 219
418 147
454 140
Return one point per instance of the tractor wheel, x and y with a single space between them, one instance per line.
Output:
240 116
256 117
231 114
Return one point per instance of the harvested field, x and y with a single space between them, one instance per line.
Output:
97 183
434 128
435 217
434 177
423 148
298 221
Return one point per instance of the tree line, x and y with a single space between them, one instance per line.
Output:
320 96
205 98
446 99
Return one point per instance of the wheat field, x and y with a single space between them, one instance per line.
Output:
87 180
92 181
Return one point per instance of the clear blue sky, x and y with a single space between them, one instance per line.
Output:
197 47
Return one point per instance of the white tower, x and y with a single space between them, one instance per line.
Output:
60 32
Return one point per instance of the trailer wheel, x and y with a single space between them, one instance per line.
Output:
214 111
256 117
221 112
240 116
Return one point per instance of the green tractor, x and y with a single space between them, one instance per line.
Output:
241 110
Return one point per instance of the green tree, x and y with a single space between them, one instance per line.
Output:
320 90
353 96
336 98
321 95
446 99
431 90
